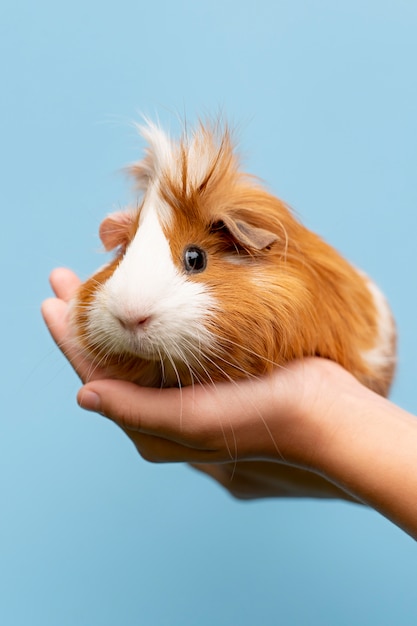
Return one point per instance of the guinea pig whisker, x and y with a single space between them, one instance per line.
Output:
193 352
218 356
101 349
256 409
194 374
96 365
161 361
253 353
172 363
225 376
198 371
211 382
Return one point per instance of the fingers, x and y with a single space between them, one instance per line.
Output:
223 473
254 479
242 481
64 283
55 313
195 421
159 450
157 412
54 310
170 438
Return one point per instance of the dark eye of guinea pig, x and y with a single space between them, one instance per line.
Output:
195 260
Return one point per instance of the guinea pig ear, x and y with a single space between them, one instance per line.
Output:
117 229
247 235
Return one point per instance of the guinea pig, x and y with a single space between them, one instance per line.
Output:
215 279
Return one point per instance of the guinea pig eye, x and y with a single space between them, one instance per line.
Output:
195 260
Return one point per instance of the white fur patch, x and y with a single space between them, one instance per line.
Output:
148 285
382 354
162 149
166 154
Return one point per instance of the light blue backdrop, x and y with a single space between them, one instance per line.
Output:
325 94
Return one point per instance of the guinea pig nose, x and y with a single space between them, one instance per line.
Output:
133 323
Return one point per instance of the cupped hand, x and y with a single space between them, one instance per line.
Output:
55 312
257 438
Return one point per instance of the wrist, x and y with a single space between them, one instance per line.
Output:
367 447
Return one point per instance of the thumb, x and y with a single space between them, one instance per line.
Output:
158 412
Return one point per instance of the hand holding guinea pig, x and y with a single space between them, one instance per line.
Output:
214 279
307 430
242 434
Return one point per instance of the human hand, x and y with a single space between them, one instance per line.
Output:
55 312
308 430
258 438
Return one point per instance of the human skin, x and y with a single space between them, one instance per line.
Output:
308 430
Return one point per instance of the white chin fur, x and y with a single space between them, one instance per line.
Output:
148 285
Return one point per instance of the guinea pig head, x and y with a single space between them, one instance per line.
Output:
171 307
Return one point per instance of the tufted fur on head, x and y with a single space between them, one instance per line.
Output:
263 291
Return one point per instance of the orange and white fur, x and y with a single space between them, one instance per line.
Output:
214 279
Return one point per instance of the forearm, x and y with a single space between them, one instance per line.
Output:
370 450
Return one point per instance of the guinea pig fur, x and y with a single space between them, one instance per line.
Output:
214 279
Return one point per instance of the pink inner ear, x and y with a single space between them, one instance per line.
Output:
248 235
115 230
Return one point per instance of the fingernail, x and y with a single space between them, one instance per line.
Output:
89 400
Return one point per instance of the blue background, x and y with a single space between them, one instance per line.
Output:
325 95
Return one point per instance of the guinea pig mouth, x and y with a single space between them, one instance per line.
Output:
141 347
155 346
